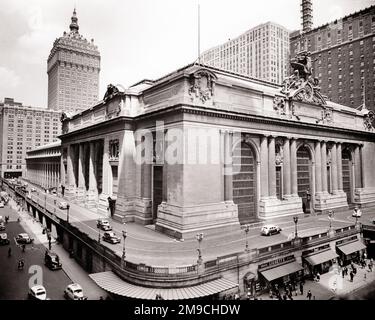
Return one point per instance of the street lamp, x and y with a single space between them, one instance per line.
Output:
99 234
330 217
199 239
247 229
124 234
67 216
295 219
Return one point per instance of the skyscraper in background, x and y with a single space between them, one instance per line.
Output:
73 68
343 56
261 52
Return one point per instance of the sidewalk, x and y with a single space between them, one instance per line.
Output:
72 269
332 285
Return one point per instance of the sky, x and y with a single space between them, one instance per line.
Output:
138 39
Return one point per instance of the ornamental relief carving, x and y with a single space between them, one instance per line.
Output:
369 120
301 85
279 105
202 85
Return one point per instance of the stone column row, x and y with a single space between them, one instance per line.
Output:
76 161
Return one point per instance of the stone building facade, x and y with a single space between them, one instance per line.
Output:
23 128
43 165
204 149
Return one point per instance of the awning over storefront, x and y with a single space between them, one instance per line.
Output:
281 271
114 284
351 247
321 257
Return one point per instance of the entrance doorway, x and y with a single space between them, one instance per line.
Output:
304 177
157 190
244 182
346 175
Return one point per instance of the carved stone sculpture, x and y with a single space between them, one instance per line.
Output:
301 85
202 85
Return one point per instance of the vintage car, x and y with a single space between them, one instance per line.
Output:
23 238
52 260
269 230
38 292
74 292
111 237
2 226
62 205
103 224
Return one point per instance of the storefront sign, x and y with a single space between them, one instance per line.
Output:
276 262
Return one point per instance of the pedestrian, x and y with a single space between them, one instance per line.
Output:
317 277
49 244
351 276
23 248
9 252
309 295
343 273
370 267
301 288
365 277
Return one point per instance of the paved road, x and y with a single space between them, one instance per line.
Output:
147 246
13 282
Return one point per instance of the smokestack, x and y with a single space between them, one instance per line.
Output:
307 18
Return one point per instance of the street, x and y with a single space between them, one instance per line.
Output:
14 282
143 243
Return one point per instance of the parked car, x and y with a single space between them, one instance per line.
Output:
111 237
2 226
1 204
4 239
103 224
74 292
33 189
38 292
62 205
23 238
52 260
270 230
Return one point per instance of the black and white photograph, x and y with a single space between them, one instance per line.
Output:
189 151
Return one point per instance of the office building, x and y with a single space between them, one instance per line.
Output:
23 128
343 57
261 52
73 71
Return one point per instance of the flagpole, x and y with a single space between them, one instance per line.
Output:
199 34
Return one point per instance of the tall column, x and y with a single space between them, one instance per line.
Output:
271 167
62 170
286 167
318 167
81 173
363 184
106 168
334 169
357 167
264 166
81 165
71 177
293 166
339 166
92 177
324 167
228 177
